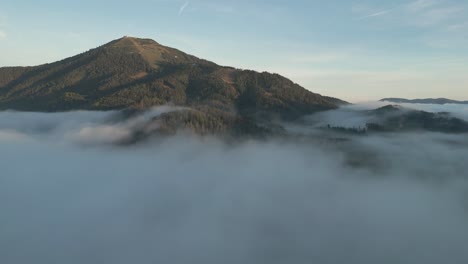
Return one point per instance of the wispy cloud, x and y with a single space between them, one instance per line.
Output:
367 11
417 12
433 12
444 21
376 14
421 5
183 7
3 35
458 27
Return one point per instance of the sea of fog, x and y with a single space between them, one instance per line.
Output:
68 195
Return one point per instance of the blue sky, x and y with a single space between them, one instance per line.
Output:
355 50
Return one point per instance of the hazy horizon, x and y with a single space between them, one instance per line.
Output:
353 50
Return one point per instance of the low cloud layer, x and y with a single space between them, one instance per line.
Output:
392 198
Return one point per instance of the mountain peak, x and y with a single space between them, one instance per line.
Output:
151 51
127 42
133 40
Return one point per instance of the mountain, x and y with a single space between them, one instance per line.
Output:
137 74
140 73
423 101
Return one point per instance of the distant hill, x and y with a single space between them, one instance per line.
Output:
440 101
393 118
137 74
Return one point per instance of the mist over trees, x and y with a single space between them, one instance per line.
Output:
72 194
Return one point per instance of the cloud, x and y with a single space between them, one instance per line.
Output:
440 23
433 13
458 27
183 7
3 35
367 11
83 127
11 135
102 134
356 116
438 15
376 14
421 13
421 5
200 200
457 110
